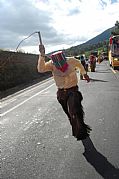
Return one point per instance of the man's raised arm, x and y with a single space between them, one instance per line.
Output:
42 65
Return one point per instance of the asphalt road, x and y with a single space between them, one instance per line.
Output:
36 134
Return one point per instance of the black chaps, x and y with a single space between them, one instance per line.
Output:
70 100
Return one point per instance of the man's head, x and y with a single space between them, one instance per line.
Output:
59 60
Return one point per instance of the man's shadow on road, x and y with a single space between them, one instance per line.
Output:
98 161
103 71
93 80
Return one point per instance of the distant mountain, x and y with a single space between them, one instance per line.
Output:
91 44
100 38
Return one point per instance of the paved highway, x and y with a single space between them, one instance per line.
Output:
36 134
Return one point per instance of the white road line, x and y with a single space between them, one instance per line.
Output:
9 99
113 70
25 101
26 90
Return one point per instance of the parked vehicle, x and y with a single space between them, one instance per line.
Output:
113 52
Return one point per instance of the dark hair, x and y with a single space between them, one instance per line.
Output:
81 57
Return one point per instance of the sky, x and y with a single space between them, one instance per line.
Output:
62 23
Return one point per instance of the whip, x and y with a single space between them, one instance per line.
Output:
9 57
40 40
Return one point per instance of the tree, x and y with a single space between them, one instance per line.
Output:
116 29
117 24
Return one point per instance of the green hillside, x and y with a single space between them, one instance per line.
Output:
101 37
95 43
100 42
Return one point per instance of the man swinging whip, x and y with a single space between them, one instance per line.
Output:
64 73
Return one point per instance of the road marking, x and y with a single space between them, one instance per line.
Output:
26 90
25 101
7 100
113 71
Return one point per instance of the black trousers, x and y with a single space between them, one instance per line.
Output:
70 100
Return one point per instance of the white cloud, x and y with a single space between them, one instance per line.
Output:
62 23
